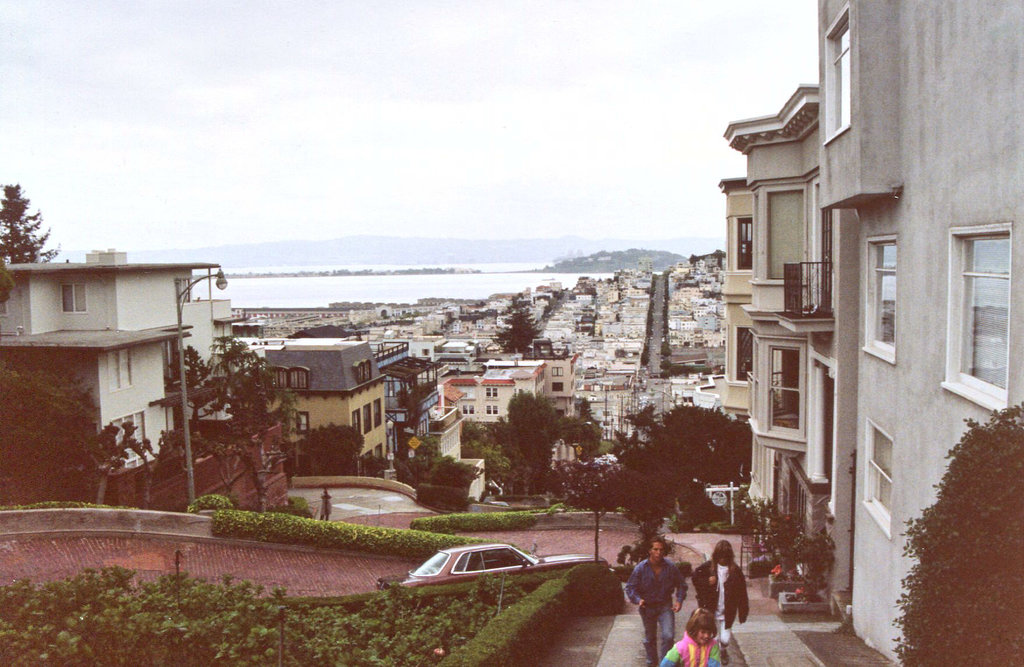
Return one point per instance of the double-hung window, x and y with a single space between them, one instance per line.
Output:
979 322
72 297
837 77
744 353
744 244
784 399
492 409
367 418
881 302
119 366
490 392
878 487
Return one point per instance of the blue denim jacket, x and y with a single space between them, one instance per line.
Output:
643 584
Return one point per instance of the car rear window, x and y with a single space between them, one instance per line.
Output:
432 566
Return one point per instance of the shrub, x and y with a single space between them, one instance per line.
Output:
63 505
965 588
519 633
211 501
284 529
761 567
474 521
442 497
594 590
297 506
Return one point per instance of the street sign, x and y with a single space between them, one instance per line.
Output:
414 442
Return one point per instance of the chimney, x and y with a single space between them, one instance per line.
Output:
109 257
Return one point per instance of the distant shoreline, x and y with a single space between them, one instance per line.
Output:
359 272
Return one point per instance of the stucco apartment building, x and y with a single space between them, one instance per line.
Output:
484 398
112 325
885 202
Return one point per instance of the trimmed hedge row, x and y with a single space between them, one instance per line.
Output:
442 497
287 529
63 505
518 634
474 521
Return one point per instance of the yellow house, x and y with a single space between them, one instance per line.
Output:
334 382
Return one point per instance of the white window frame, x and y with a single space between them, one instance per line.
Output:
468 409
490 392
77 294
557 371
301 422
799 389
492 409
838 88
872 302
873 474
132 460
734 339
985 394
119 368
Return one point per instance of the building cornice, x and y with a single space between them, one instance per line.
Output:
797 118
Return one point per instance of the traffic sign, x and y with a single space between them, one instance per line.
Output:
414 442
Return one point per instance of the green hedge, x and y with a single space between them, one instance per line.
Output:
286 529
594 590
444 497
63 504
474 521
518 634
211 501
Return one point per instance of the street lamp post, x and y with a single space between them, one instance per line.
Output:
221 283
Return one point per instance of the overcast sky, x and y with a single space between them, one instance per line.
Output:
143 125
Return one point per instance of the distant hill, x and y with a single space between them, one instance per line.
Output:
614 260
364 250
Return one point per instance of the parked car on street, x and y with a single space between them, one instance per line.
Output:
466 563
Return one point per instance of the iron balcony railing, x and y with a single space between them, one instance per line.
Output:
808 289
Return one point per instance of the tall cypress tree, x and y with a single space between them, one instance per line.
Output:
21 241
520 330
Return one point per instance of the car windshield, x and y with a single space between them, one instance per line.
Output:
432 566
533 559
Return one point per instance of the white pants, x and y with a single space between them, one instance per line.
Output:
724 633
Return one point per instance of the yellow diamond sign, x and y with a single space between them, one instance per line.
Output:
414 442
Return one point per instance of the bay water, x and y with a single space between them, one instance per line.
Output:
301 291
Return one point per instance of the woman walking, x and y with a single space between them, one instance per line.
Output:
722 590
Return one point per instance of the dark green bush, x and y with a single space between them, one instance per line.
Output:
761 567
297 506
965 588
517 635
212 501
594 590
284 529
474 521
63 505
443 497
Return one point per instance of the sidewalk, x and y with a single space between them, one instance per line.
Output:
768 638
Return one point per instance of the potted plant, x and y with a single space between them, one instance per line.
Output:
781 580
803 601
815 555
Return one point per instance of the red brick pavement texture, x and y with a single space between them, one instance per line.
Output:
299 570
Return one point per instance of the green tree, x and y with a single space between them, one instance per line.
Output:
21 240
528 435
333 449
243 387
478 443
45 420
581 433
964 590
520 330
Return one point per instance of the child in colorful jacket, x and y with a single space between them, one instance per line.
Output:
698 647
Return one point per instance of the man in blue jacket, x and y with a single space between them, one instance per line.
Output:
651 586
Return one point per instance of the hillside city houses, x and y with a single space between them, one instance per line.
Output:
860 314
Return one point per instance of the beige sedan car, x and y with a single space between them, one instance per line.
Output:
465 563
